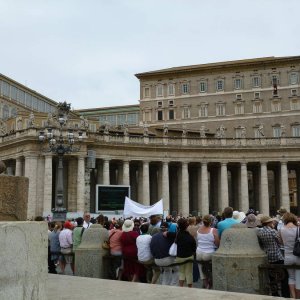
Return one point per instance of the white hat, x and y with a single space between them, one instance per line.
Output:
235 214
128 225
239 215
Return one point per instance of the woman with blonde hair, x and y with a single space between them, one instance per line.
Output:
207 242
288 234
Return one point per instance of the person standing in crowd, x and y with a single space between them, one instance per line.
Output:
116 250
270 242
227 222
192 228
252 221
87 220
159 246
172 226
155 221
144 254
66 243
186 248
288 235
77 233
207 243
281 211
133 271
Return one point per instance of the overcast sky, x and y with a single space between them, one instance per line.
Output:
87 51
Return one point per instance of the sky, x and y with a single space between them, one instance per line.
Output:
86 52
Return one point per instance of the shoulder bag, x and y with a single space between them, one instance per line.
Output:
106 244
173 248
296 250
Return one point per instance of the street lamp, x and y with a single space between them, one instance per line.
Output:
60 145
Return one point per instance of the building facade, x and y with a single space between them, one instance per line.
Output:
209 136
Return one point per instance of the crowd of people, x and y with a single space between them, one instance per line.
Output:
140 246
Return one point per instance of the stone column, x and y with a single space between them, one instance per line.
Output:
204 204
244 199
31 173
47 186
264 190
80 185
125 172
18 166
99 172
223 197
146 183
165 185
106 180
184 201
284 183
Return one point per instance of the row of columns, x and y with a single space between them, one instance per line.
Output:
203 183
163 186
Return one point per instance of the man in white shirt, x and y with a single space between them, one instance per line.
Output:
87 220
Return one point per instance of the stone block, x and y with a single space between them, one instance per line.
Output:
13 198
89 254
235 263
23 260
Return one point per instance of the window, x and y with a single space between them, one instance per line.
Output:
257 133
28 100
146 92
147 116
239 132
121 119
102 119
159 90
171 89
5 112
238 96
256 95
277 131
159 104
257 107
294 78
203 87
14 112
239 108
220 109
21 96
294 104
159 115
171 102
5 89
171 114
203 110
294 92
275 80
256 81
92 127
275 106
186 113
34 103
132 118
13 92
296 130
237 83
220 85
111 119
185 88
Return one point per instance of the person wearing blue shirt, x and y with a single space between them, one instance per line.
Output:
172 227
228 220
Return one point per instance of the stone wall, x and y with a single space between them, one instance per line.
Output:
13 198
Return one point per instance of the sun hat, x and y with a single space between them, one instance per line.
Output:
252 221
235 214
128 225
238 215
266 219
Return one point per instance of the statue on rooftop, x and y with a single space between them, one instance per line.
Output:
31 121
165 130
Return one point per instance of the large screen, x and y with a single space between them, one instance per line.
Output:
111 197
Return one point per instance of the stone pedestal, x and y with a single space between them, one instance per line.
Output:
13 198
88 255
23 260
235 263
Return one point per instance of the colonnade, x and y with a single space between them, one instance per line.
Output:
185 186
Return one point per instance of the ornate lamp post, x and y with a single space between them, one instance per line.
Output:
60 145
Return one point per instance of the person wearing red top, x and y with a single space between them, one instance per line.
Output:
132 271
116 250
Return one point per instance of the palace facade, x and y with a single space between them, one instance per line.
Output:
201 138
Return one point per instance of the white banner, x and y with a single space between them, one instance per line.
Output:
134 209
